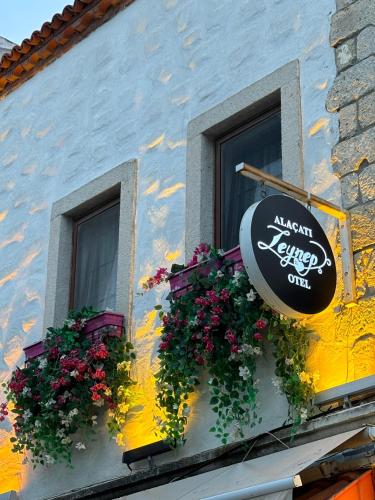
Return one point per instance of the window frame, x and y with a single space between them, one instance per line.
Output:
267 113
282 87
76 223
118 183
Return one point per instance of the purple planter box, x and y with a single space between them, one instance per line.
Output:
108 323
179 282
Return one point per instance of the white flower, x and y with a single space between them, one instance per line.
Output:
186 411
303 414
66 440
251 296
277 382
244 372
42 363
49 459
27 414
74 373
50 403
37 423
210 381
99 403
72 413
219 274
26 391
288 361
93 418
194 322
60 433
80 446
237 301
236 277
221 252
257 351
65 422
69 323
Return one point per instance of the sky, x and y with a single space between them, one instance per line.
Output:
19 18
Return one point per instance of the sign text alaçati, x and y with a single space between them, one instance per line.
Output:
287 256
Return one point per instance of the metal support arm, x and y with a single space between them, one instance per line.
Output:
325 206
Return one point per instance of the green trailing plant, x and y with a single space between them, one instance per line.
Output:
222 325
62 391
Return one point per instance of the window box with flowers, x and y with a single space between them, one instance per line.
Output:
80 367
216 320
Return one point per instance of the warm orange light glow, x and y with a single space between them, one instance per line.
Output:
322 85
152 188
29 258
320 124
156 142
38 208
8 277
16 238
171 256
10 465
3 214
166 193
42 133
28 324
177 144
4 135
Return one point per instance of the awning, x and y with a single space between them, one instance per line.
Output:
271 477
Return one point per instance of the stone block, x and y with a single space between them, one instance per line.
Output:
348 121
364 263
349 155
363 227
366 42
366 110
345 54
350 190
353 18
352 84
341 4
366 180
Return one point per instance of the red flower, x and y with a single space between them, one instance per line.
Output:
261 324
95 396
258 336
98 374
98 351
215 320
230 336
217 310
225 295
207 329
234 348
164 346
199 359
53 353
201 315
211 294
209 347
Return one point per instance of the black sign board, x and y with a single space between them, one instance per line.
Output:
287 256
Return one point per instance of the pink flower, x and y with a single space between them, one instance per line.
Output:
207 329
225 295
261 324
211 294
258 336
193 261
217 310
230 336
234 348
215 320
201 315
209 347
164 346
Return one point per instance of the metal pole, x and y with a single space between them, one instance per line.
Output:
325 206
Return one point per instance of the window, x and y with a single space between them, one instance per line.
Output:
281 131
259 144
95 253
91 246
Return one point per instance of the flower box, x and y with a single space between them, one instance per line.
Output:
108 323
179 282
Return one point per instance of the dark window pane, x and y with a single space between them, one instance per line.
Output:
96 260
259 146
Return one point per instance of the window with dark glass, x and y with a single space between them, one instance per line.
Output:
258 144
95 250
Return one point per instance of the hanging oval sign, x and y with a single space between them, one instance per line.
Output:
287 256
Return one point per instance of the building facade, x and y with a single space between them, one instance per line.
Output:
133 101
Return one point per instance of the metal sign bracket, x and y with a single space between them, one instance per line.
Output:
342 215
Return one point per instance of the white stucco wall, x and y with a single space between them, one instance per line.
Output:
129 91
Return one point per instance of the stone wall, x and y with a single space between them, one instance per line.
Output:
352 96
